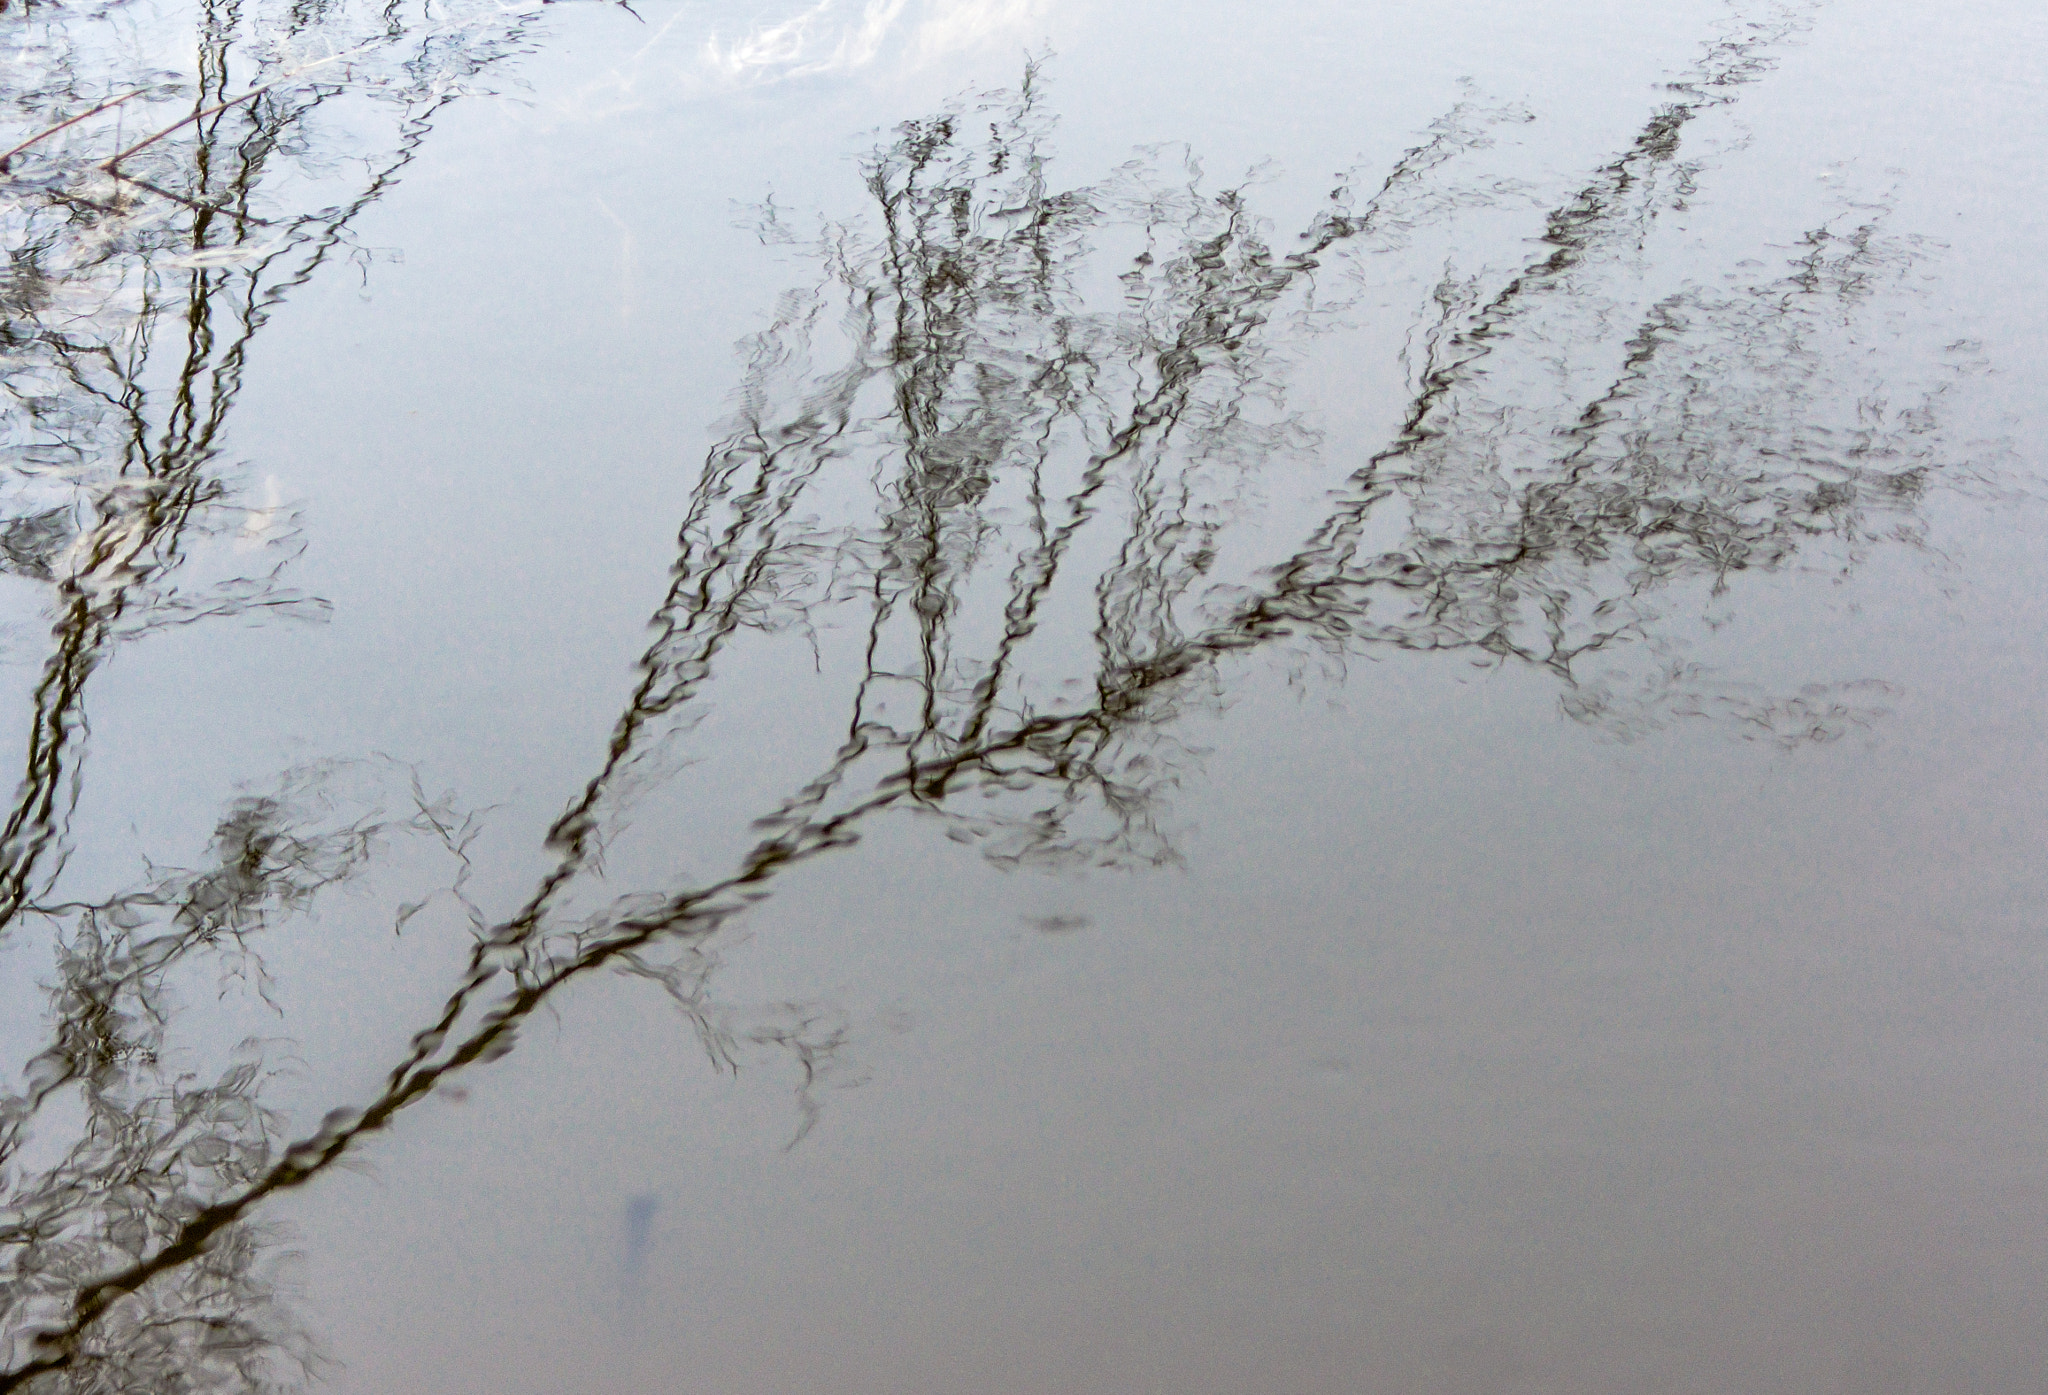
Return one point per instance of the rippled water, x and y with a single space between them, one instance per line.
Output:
1024 696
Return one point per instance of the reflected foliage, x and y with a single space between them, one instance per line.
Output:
154 220
140 267
1001 462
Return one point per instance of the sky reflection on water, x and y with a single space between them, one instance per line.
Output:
954 785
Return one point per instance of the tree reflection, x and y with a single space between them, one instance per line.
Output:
133 290
1029 508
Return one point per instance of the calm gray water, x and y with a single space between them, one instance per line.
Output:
1023 696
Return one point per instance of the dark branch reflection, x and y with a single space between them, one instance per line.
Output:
132 294
993 464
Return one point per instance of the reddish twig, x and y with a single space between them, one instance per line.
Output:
187 121
8 158
194 204
219 107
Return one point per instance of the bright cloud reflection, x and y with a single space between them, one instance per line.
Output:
684 55
951 25
837 35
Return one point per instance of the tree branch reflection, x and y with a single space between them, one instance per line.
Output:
131 298
119 477
1027 511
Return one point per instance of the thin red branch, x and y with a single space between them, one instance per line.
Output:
8 158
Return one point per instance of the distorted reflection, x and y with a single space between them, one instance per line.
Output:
1003 441
835 35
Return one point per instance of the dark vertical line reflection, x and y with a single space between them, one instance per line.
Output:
1038 590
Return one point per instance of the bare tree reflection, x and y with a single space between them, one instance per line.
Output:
133 290
1028 508
156 1143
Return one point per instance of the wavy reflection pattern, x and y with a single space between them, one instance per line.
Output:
1005 437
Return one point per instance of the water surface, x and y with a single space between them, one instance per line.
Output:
1022 696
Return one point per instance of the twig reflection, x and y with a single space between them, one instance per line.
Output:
1044 561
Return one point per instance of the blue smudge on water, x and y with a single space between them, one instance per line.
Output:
639 1227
